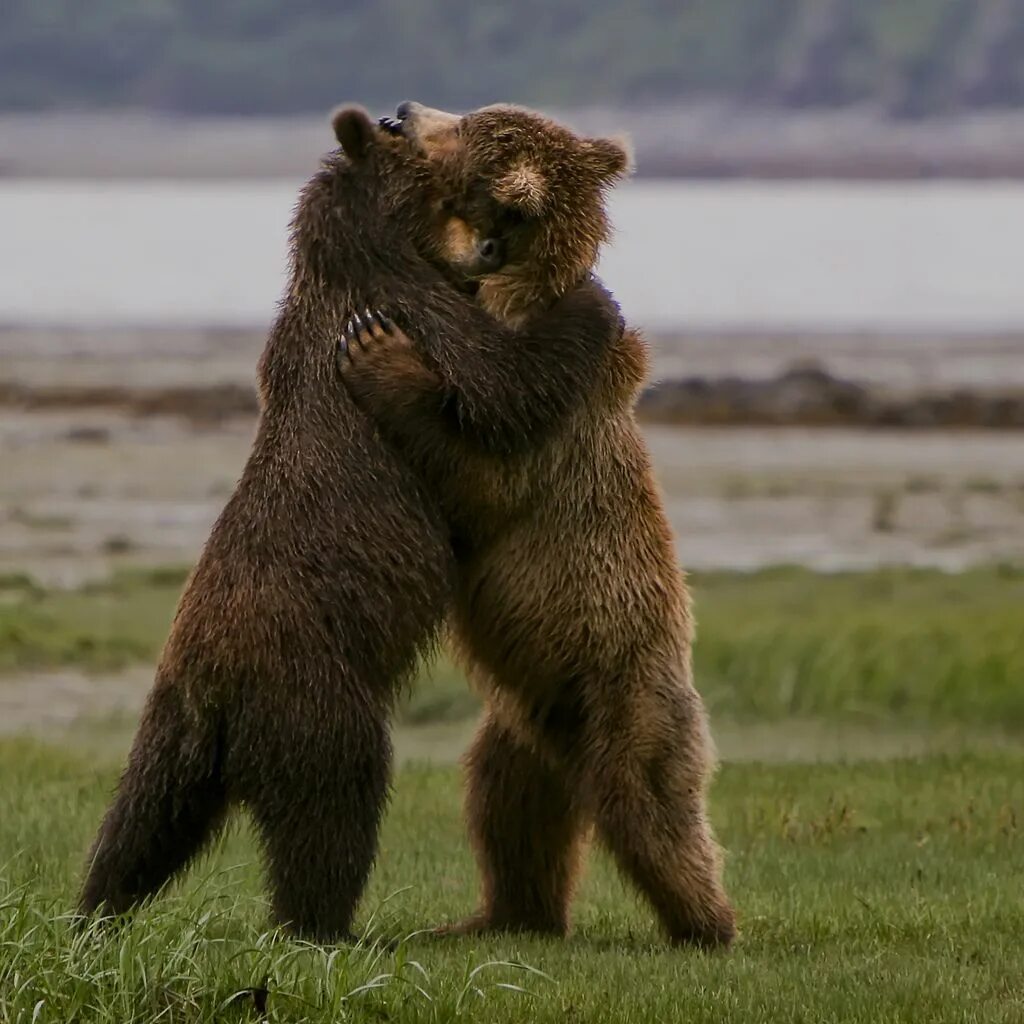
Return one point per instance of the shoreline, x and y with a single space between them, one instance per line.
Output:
206 378
706 140
800 397
900 365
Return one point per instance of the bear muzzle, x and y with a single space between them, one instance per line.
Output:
425 127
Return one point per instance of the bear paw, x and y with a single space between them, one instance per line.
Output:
369 342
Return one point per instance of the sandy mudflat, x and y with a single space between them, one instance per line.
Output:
85 489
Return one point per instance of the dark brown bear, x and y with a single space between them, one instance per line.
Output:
330 569
571 609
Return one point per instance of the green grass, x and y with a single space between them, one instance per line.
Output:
889 646
873 892
918 646
97 627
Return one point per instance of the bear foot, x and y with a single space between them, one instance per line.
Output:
717 934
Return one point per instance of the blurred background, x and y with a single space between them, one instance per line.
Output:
822 241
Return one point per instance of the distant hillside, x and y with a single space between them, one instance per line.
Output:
912 58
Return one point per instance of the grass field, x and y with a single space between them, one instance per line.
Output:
919 646
870 888
878 892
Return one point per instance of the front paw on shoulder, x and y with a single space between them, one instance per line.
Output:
368 341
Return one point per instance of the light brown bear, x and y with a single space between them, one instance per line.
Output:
571 610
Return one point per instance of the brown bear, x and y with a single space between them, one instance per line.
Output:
330 569
571 609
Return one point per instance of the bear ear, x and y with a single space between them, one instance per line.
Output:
354 131
612 159
523 188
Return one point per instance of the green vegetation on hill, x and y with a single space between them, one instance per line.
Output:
876 893
262 56
896 645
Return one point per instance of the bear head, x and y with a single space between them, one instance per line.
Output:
522 198
370 209
362 226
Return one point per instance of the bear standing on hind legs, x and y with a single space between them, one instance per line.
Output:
570 609
330 569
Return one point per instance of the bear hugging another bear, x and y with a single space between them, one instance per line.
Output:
348 541
570 609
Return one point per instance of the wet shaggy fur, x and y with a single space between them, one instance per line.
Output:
571 610
330 569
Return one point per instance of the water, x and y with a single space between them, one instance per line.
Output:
916 257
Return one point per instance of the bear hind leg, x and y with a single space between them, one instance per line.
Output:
318 814
527 832
170 802
648 785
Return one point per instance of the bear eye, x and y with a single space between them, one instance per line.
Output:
510 217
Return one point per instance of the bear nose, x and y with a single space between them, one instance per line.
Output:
404 109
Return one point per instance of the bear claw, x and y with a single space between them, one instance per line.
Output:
361 330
